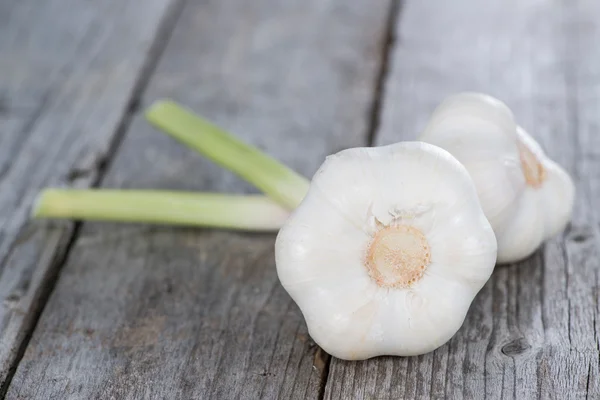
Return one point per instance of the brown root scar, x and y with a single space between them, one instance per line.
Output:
533 170
398 256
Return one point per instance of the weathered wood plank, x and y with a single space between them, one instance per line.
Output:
532 331
169 313
68 72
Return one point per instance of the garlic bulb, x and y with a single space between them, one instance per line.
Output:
387 250
527 197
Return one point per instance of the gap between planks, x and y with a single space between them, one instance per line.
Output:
387 50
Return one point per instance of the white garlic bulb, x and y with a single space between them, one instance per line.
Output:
387 251
527 197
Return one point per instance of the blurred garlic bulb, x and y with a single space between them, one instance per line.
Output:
387 250
526 196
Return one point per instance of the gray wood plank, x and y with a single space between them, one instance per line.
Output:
532 332
142 312
68 72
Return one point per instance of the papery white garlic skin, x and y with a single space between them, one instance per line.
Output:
406 203
526 196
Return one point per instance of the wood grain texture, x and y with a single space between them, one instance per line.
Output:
533 330
68 72
143 312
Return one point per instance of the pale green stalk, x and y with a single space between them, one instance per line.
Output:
273 178
250 213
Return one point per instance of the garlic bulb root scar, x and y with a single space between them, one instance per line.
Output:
397 256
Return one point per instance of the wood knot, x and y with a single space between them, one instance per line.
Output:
515 347
580 234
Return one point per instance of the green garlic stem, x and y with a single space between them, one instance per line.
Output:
248 213
276 180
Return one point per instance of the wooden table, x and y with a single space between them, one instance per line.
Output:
108 311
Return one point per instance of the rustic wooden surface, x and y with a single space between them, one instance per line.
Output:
68 70
142 312
148 312
532 331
